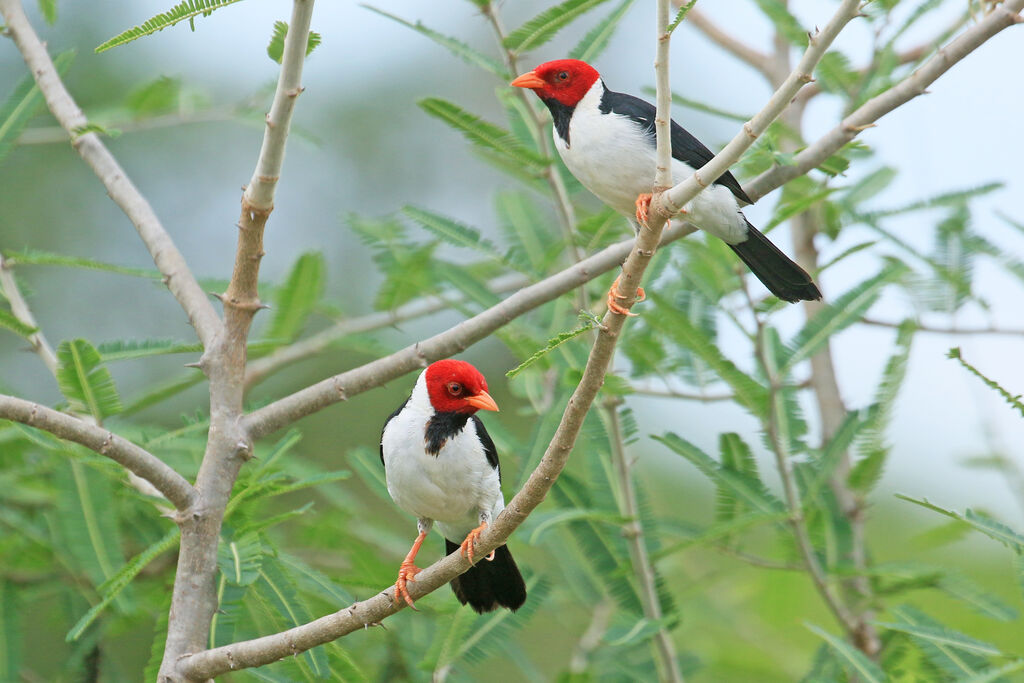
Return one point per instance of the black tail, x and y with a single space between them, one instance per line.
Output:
780 275
490 585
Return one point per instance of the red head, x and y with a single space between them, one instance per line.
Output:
456 386
565 80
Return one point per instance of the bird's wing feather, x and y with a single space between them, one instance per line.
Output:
685 147
390 418
490 451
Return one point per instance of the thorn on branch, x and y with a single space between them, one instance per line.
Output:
338 387
243 450
295 92
197 364
700 181
857 129
106 443
749 130
270 124
216 295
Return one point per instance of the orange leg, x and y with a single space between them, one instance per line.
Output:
612 296
643 207
471 538
407 571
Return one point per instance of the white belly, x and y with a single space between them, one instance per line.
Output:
450 488
617 162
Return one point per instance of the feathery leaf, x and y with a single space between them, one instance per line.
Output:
275 49
545 25
597 39
186 10
85 381
21 105
453 45
297 298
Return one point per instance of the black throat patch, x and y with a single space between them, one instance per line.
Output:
561 114
442 427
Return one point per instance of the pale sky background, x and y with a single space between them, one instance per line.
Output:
370 71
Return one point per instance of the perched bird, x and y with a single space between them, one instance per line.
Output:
441 466
607 141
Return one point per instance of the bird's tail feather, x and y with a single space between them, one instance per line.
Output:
784 278
487 585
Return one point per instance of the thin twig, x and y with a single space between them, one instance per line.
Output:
261 368
864 117
640 560
21 311
104 442
931 329
168 259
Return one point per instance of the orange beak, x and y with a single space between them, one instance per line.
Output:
483 401
528 80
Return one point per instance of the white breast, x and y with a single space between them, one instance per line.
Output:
612 156
451 487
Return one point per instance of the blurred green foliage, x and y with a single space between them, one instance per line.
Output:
88 561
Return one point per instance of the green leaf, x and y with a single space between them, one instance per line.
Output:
852 425
144 348
942 646
680 15
277 589
723 531
840 314
749 393
736 457
996 674
275 50
869 186
453 232
44 258
554 343
523 225
1013 400
785 23
163 391
545 25
186 10
10 632
113 586
550 521
981 522
456 47
48 8
316 580
943 636
485 135
745 488
294 301
158 96
14 325
854 660
85 381
597 38
86 522
23 103
240 559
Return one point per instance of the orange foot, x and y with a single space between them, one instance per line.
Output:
406 572
643 207
471 539
614 307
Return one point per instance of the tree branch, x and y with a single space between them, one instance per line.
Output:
261 368
228 445
21 311
103 441
1005 15
169 261
676 198
369 612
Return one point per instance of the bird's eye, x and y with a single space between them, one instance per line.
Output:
454 388
563 75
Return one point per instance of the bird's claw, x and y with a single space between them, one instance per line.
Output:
643 207
406 572
615 307
471 539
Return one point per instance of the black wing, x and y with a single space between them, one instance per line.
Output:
685 147
390 418
489 450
